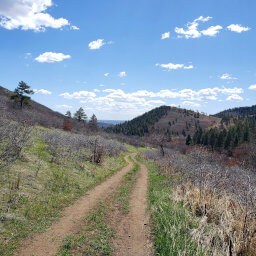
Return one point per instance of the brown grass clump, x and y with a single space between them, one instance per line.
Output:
222 196
232 226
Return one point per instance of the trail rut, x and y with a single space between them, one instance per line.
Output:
132 231
47 243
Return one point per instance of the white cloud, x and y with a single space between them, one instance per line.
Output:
97 44
172 66
234 97
74 28
252 87
189 67
42 91
51 57
137 102
96 90
101 85
190 104
106 74
78 95
212 31
227 76
237 28
122 74
28 15
191 30
64 106
165 35
234 90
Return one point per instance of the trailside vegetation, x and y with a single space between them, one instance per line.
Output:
141 125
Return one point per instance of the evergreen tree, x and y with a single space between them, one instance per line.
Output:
21 93
68 114
93 123
80 115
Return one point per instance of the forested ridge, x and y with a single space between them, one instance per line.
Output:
140 125
242 131
240 111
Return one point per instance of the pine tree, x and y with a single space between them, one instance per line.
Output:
68 114
80 115
21 93
93 123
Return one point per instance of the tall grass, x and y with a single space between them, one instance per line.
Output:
171 222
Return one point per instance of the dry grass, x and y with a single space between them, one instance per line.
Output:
222 197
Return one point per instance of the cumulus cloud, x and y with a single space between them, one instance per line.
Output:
97 44
227 76
51 57
234 97
172 66
191 30
106 74
122 74
29 15
116 100
74 28
165 35
190 104
42 91
237 28
252 87
78 95
212 31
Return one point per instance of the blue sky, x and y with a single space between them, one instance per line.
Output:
118 58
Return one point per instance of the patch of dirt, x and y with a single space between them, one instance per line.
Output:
132 230
48 243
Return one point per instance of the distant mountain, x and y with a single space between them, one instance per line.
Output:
236 112
166 119
108 123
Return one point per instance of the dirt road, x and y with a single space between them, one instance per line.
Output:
132 232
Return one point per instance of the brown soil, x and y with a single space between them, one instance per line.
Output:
47 243
132 230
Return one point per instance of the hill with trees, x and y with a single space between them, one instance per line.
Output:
166 120
19 106
235 112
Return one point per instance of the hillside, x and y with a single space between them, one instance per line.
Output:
235 112
35 113
38 114
175 121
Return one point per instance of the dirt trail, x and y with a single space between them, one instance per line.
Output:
47 243
132 231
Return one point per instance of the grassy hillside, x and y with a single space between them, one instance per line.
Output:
43 170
